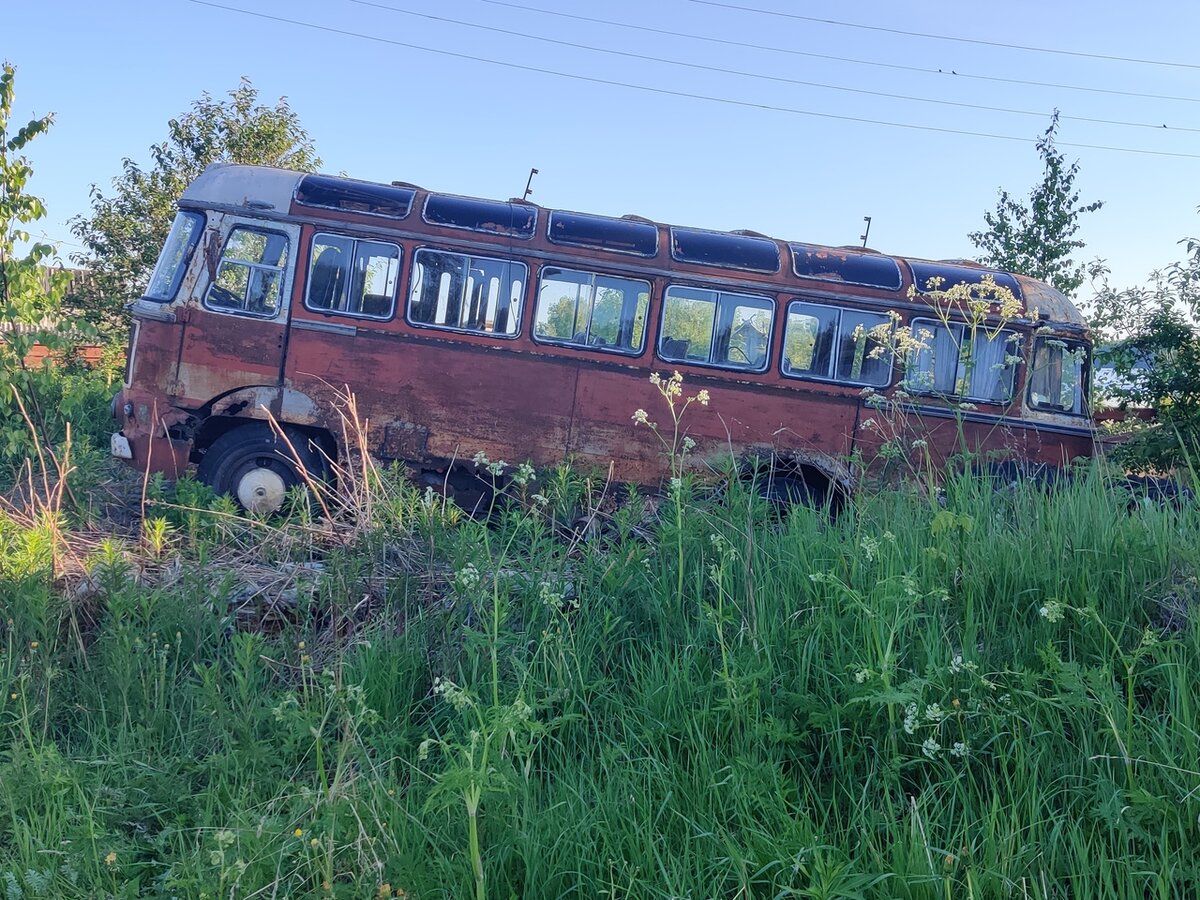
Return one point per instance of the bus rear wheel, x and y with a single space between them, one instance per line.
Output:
254 465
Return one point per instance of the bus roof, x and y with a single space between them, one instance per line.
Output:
267 191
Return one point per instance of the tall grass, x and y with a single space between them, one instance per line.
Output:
992 696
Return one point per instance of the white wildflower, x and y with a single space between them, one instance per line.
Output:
1052 611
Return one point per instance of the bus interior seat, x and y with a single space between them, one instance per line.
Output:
675 348
324 283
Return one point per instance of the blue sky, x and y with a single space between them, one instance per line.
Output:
467 95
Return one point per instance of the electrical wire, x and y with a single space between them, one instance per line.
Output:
946 37
792 51
779 79
673 93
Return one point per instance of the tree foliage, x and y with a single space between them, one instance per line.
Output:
30 292
1038 237
126 228
1154 351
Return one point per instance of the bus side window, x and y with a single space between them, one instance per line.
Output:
716 328
465 293
249 276
353 277
954 360
587 309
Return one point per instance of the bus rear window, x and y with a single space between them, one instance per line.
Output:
1058 376
173 260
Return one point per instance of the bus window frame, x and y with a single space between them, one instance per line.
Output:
572 344
454 329
833 378
356 239
287 271
724 367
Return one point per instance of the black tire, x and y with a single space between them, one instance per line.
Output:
786 491
255 466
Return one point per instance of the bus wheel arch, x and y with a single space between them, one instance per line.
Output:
803 478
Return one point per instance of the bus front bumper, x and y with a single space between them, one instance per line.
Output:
146 446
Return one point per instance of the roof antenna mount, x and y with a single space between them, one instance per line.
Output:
529 184
863 237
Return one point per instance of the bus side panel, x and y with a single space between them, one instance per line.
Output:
223 353
939 433
738 420
434 401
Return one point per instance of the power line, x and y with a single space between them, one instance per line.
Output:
673 93
791 51
945 37
779 79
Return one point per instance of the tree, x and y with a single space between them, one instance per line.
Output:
30 293
1154 351
1038 238
126 230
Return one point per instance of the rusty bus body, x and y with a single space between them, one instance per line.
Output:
465 326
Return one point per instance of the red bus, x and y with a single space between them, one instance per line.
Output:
464 325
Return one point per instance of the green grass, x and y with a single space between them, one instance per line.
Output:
875 707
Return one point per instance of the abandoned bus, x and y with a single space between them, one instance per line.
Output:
464 325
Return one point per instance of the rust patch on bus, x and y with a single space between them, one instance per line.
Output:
404 440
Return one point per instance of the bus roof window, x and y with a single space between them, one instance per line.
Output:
730 251
604 233
926 274
327 192
846 267
489 216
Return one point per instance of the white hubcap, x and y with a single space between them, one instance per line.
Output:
261 491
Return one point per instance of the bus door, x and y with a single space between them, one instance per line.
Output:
234 335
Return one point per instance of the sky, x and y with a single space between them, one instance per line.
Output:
721 114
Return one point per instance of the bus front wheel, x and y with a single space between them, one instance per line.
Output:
254 465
